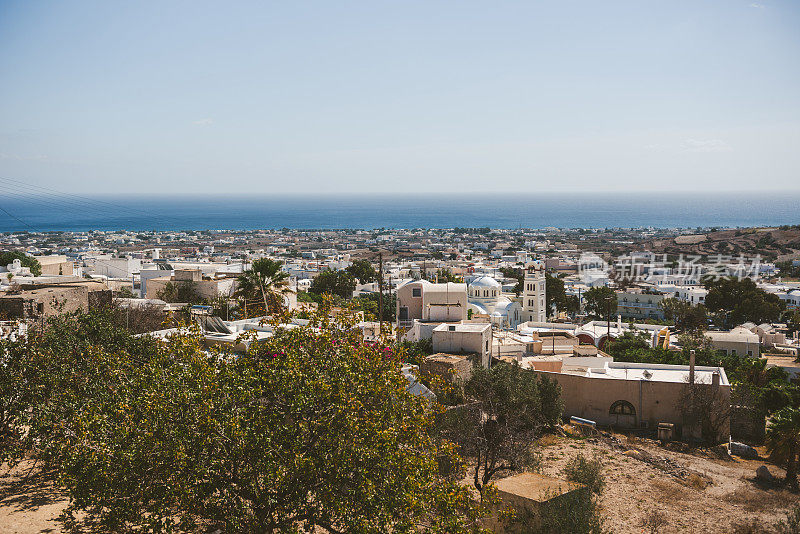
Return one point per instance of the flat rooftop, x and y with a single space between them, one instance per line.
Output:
651 372
469 327
535 487
445 358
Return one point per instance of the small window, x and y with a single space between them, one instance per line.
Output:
452 328
416 292
487 346
622 407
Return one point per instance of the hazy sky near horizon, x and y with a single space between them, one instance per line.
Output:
192 96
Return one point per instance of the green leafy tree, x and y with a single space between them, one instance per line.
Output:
180 291
736 301
517 274
783 440
572 304
626 344
369 304
126 293
555 294
792 320
265 282
8 256
338 283
684 315
310 429
507 409
600 303
446 275
363 271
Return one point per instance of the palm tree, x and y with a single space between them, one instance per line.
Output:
783 440
264 279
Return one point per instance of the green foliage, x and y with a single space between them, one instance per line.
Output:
415 351
587 472
572 304
601 303
446 275
369 304
265 280
555 294
734 302
8 256
126 293
508 408
788 270
577 512
310 429
305 296
792 320
791 523
517 274
627 343
338 283
684 315
180 291
783 440
363 271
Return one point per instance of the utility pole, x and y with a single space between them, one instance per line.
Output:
380 292
608 322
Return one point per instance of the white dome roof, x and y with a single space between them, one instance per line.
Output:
485 281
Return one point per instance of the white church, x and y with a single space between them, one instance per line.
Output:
485 297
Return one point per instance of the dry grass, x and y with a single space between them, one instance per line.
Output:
754 499
751 526
696 482
548 440
669 490
632 440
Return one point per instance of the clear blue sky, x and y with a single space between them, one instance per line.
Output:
381 96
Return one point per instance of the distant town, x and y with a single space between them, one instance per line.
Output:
678 337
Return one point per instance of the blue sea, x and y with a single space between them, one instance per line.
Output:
661 210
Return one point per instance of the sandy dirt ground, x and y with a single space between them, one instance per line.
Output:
29 501
694 493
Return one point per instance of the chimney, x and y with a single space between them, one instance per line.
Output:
691 366
715 379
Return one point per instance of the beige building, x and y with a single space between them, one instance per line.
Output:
204 286
428 302
37 302
452 367
739 341
640 305
530 495
471 338
768 335
55 265
634 395
534 293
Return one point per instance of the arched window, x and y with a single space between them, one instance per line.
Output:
622 407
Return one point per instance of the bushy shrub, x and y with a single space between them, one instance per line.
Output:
588 472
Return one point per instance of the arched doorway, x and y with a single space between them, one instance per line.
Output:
622 414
